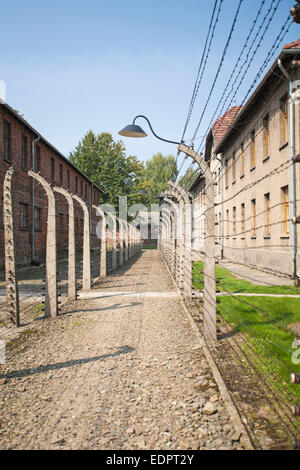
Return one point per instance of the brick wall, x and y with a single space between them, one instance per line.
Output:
58 171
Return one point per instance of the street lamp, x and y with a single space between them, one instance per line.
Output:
209 323
133 130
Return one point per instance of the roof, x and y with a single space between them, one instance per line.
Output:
42 139
287 54
292 45
221 125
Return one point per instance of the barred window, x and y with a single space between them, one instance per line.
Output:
24 155
24 219
37 218
38 158
7 140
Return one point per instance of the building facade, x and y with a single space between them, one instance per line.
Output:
256 182
16 142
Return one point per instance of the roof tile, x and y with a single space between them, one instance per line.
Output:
221 125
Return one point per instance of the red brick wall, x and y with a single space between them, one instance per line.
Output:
22 193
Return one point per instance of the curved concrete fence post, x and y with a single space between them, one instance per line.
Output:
114 240
12 293
71 244
86 256
187 238
102 236
180 248
125 229
122 241
51 277
129 241
209 296
174 219
114 243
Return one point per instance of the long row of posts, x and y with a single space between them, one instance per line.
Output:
175 241
129 236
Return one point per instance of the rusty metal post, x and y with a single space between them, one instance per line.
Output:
12 293
51 276
86 256
71 244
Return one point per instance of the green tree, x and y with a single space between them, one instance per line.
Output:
158 171
186 180
104 161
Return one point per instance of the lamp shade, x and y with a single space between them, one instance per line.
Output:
133 131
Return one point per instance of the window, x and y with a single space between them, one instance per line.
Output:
227 222
219 181
285 200
268 215
38 158
52 170
81 190
234 220
24 223
226 173
266 131
60 174
76 184
253 206
61 222
68 178
252 150
233 168
7 140
37 218
242 159
85 191
283 120
24 155
243 219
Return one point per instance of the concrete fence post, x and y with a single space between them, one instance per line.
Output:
122 242
125 240
72 288
51 275
209 297
187 268
86 257
12 293
102 237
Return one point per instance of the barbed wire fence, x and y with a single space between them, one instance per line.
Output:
31 293
255 349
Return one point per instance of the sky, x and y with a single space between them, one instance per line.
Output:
71 66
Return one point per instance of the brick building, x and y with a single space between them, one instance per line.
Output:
16 142
250 154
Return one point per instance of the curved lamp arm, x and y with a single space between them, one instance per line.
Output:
160 138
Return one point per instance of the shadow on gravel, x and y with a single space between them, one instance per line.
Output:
102 309
62 365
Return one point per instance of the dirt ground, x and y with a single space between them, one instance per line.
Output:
119 369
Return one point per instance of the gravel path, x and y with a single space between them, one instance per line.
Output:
117 371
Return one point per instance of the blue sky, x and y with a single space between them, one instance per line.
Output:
71 66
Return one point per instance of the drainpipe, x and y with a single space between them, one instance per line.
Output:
292 168
221 191
33 262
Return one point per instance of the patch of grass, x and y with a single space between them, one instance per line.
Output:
264 322
149 247
228 282
78 322
24 335
37 310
